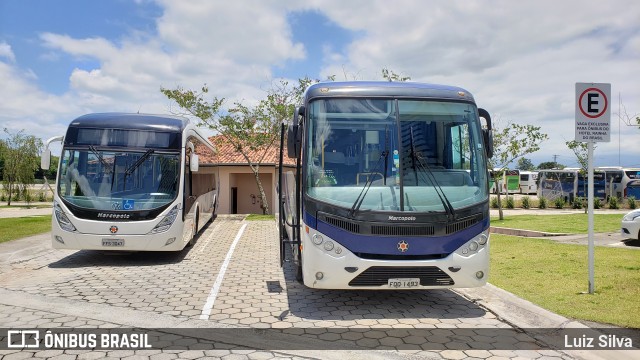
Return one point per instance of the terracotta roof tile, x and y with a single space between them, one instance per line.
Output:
227 154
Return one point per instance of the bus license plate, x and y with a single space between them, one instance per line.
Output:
112 242
404 283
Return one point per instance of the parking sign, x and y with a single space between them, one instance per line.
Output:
593 112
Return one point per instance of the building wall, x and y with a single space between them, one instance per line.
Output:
242 177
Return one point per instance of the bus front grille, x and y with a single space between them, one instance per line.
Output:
462 224
344 224
394 230
380 275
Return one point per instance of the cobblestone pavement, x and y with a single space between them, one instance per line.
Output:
92 289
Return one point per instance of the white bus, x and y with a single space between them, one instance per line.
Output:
131 182
390 188
528 182
617 180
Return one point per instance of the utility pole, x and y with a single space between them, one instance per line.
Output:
555 160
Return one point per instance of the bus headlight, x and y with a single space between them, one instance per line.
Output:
474 245
317 239
328 245
63 220
166 222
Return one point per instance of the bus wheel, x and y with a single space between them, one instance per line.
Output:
192 241
299 276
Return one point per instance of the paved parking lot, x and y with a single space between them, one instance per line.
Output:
196 288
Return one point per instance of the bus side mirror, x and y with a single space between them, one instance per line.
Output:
487 132
294 134
293 143
488 141
194 163
45 159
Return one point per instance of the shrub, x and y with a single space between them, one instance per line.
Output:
542 202
494 202
26 194
597 203
632 202
578 203
526 202
42 196
511 202
559 202
613 203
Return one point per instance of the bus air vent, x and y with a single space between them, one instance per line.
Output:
402 230
347 225
380 275
461 225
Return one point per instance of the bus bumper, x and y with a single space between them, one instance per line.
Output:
171 240
324 269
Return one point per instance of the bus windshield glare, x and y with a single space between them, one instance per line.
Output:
118 180
395 155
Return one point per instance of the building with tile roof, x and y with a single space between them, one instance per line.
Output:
238 192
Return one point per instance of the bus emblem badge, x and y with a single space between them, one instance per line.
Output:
403 246
113 229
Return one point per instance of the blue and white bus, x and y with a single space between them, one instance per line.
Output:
131 182
569 184
390 188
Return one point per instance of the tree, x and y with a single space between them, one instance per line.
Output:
550 165
20 155
251 130
510 144
391 75
525 164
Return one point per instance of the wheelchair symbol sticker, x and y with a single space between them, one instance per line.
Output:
128 204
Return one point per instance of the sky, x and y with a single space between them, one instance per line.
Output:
519 59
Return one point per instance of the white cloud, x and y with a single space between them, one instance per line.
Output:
519 59
6 52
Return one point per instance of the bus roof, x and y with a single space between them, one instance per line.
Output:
165 123
387 89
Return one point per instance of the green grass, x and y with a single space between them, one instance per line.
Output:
25 206
554 276
256 217
571 223
16 228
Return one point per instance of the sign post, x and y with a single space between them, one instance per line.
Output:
593 124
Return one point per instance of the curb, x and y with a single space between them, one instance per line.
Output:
524 233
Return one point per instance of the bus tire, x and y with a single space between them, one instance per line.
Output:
299 275
192 241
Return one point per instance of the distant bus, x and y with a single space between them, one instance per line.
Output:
528 182
633 189
599 184
131 182
508 183
512 181
568 184
617 180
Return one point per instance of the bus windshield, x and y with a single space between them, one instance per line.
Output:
395 155
118 180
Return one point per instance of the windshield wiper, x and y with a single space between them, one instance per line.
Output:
383 156
102 160
424 167
142 158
